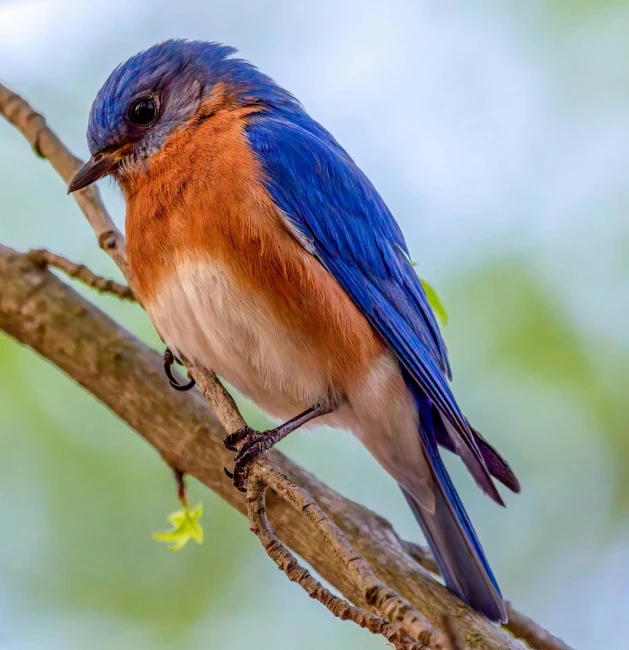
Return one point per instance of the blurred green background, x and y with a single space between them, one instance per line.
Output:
498 132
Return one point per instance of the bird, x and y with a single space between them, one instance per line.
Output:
262 252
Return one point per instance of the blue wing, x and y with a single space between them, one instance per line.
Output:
347 226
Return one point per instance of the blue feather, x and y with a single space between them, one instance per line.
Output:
348 227
344 217
450 533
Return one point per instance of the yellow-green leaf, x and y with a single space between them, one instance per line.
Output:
433 299
186 526
435 302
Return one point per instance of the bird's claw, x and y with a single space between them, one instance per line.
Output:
231 440
169 359
253 443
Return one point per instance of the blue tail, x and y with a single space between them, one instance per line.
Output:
450 535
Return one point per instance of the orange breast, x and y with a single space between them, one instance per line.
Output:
202 196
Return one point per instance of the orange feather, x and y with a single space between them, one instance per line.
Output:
202 197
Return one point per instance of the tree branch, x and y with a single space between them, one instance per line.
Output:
535 635
198 440
380 598
46 144
286 561
520 625
42 257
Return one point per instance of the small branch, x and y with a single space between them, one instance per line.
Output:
422 555
46 144
520 625
525 628
286 562
377 595
42 257
383 600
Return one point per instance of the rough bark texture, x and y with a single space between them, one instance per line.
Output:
44 313
287 562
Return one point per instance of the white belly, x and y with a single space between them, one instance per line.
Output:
202 313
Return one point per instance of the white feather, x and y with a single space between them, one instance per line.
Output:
203 313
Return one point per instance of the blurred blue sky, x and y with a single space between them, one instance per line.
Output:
498 133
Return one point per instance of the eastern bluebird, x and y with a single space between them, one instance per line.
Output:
262 252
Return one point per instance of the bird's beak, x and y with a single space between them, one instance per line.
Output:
99 165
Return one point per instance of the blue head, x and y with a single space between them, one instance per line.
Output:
159 91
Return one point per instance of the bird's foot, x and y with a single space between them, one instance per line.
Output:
249 443
252 443
169 359
232 440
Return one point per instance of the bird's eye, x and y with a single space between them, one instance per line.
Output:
143 112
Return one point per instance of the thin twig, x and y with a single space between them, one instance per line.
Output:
377 595
382 599
286 561
46 144
525 628
422 555
43 257
520 625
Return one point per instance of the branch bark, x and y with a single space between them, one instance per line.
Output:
43 257
520 625
286 561
40 311
46 144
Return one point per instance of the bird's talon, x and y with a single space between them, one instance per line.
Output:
253 444
169 359
241 485
231 440
250 449
241 472
230 476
